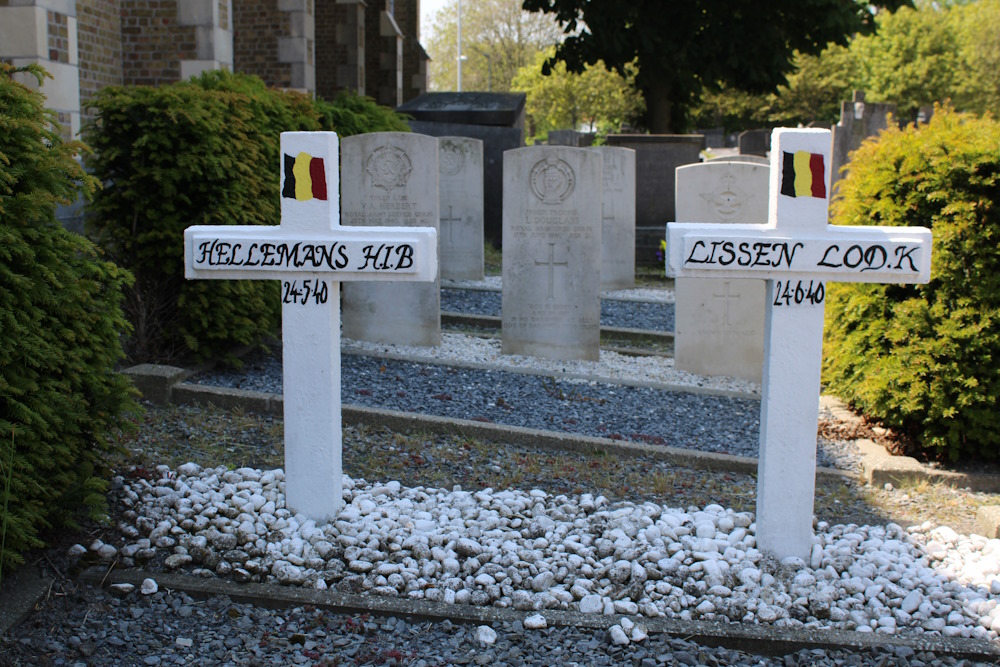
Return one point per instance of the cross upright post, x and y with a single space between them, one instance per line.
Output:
311 254
796 251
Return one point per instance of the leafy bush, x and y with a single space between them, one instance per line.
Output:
925 359
60 327
196 153
349 114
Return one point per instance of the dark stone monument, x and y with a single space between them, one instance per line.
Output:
858 121
497 119
570 138
657 157
755 142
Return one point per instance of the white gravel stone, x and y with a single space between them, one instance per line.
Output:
486 635
592 604
533 551
535 622
148 586
618 636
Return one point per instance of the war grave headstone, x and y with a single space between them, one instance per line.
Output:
390 179
796 251
461 207
617 218
755 142
551 301
739 157
497 119
311 253
858 121
657 156
719 324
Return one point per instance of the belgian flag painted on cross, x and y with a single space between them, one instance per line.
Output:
802 174
305 177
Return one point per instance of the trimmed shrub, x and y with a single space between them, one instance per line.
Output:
61 401
925 359
203 152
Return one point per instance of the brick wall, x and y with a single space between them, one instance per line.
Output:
414 56
152 43
257 24
340 48
99 42
380 57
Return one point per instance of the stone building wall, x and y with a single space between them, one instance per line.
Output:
100 44
153 43
257 24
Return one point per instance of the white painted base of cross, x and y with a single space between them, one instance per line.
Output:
311 254
796 251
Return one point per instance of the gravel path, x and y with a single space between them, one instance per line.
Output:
654 316
654 416
131 629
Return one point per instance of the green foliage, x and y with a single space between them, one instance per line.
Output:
682 47
498 39
351 114
61 322
204 152
596 97
925 359
912 60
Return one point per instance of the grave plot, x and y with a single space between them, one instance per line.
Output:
311 254
796 251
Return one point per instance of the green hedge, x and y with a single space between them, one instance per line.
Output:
60 329
203 152
925 359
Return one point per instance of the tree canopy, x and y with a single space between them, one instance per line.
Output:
683 48
498 38
597 99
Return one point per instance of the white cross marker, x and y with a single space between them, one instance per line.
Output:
311 254
795 252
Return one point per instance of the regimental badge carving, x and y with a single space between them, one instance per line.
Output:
452 158
389 168
727 203
552 180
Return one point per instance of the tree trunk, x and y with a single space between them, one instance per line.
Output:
659 108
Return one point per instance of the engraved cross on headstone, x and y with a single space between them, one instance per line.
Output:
453 221
796 251
311 254
726 298
552 264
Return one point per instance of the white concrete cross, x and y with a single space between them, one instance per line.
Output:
311 254
796 251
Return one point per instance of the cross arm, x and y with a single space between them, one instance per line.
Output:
342 253
836 253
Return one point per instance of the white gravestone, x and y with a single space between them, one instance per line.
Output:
795 251
618 218
311 254
552 252
461 167
719 324
390 179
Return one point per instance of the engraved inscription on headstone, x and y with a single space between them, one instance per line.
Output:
391 179
551 259
618 219
461 195
720 335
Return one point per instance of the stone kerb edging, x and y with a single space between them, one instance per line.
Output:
749 638
622 333
166 384
880 468
186 393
